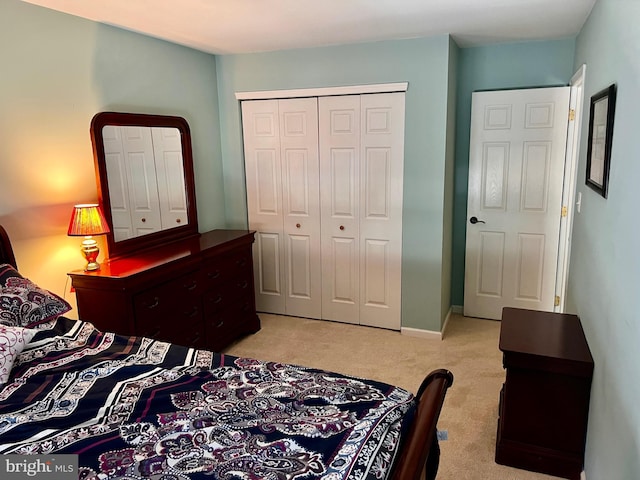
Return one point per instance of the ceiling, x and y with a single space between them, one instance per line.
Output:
243 26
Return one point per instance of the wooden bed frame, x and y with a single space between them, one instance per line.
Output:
419 453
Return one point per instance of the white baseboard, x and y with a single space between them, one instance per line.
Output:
420 333
583 476
459 309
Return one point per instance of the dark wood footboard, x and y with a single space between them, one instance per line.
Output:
420 448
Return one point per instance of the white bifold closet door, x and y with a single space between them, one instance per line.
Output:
361 168
281 160
133 188
327 205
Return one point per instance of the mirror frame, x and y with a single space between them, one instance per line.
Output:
132 245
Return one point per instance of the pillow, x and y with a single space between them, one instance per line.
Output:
23 303
12 341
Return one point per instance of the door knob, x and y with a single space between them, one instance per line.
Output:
474 220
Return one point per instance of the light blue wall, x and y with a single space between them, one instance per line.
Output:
494 67
447 239
57 72
604 278
136 73
421 62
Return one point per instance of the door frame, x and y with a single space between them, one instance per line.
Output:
323 91
576 104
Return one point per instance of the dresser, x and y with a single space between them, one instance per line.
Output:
544 402
194 292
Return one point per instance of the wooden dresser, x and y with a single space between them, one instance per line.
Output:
194 292
544 402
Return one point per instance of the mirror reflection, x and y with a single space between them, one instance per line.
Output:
144 173
146 179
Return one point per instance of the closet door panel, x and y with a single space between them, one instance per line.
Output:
261 128
339 128
382 159
167 151
301 205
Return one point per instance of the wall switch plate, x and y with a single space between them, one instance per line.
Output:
579 202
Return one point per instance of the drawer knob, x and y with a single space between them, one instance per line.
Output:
297 225
152 334
220 324
143 220
154 303
215 274
178 220
191 286
191 313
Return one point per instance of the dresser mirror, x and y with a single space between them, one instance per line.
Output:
144 172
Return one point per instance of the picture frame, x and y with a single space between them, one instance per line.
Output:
601 117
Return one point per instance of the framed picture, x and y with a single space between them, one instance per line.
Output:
600 134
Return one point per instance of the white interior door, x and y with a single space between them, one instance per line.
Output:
516 165
340 200
361 169
122 226
301 205
261 129
381 181
281 159
136 206
167 149
324 190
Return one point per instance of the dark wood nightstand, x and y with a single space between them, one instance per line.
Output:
544 402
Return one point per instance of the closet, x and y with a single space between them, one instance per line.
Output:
324 195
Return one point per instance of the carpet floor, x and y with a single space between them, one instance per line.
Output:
469 350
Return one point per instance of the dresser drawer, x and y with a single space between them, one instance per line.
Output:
168 297
224 268
224 294
175 330
221 326
172 311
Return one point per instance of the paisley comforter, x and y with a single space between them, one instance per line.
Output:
134 408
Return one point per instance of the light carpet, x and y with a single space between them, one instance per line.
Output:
469 350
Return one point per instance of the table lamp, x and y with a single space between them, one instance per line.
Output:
87 220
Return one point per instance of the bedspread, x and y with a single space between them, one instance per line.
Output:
132 407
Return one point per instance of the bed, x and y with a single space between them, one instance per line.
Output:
134 408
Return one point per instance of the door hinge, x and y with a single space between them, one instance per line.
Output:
556 302
572 114
564 211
